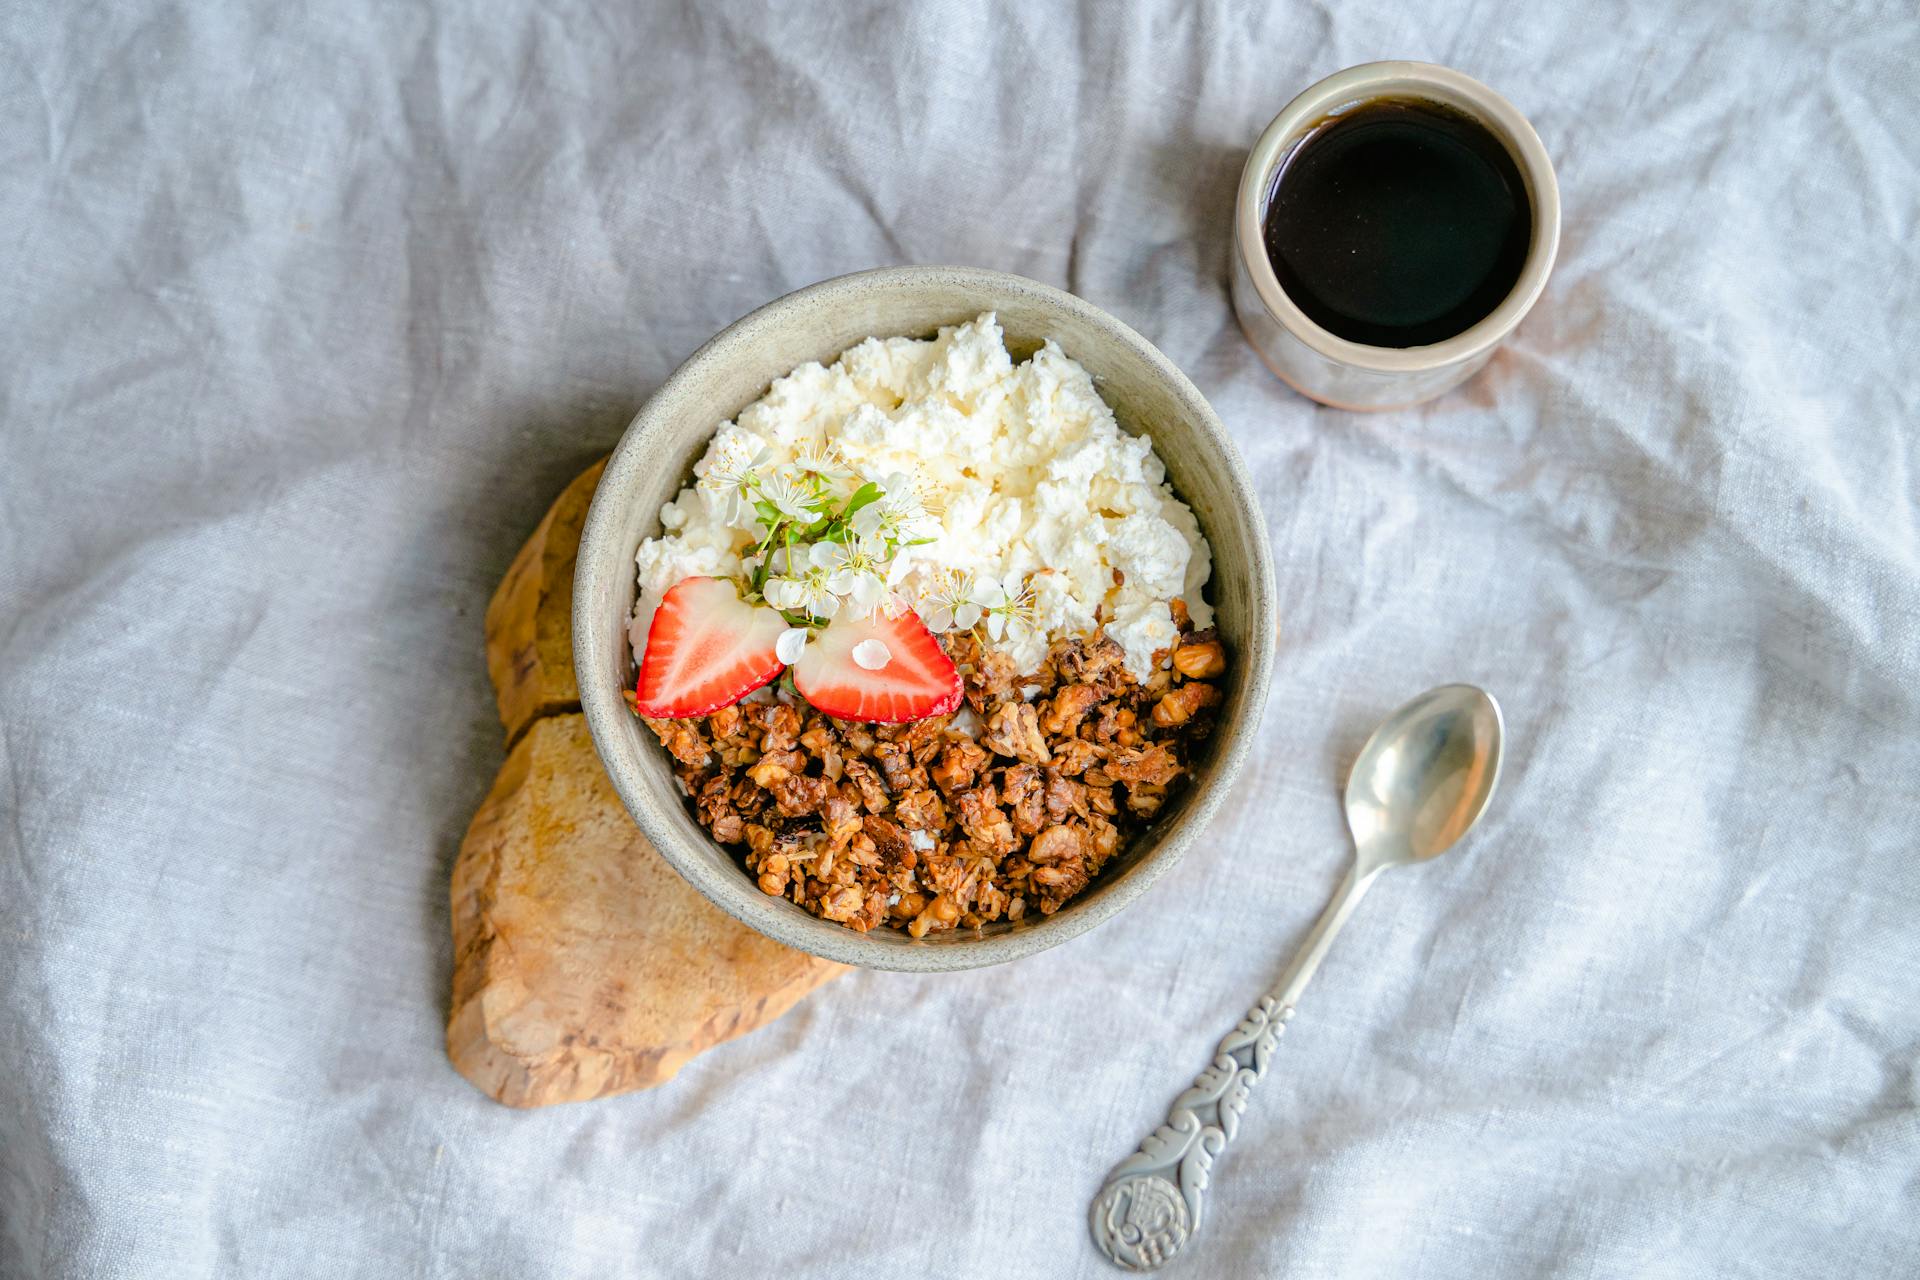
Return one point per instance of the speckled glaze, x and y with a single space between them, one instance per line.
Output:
656 456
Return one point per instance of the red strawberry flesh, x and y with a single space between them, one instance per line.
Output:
707 649
918 680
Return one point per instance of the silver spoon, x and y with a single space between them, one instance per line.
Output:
1420 783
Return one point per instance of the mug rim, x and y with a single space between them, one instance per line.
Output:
1450 88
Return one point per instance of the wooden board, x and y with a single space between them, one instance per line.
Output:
584 965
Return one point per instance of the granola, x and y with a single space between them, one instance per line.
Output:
1010 805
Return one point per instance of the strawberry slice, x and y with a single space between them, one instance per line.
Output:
880 670
707 649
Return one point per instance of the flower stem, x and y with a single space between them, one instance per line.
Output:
760 574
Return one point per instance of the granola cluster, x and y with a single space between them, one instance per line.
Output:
1011 804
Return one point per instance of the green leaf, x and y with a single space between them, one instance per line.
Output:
865 496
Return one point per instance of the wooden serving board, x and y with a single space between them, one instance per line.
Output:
584 966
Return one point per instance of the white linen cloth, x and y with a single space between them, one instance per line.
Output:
309 311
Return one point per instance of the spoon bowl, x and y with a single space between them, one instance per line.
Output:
1424 777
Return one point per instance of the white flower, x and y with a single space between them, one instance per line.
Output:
732 474
822 459
871 655
1008 605
856 569
790 644
966 614
808 594
899 513
950 603
788 496
934 613
900 566
734 462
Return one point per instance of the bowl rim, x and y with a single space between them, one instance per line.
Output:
737 895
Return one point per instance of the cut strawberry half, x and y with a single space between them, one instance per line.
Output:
707 649
878 670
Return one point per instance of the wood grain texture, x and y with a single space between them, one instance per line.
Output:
529 623
584 965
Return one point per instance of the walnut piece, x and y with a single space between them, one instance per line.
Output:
1058 844
872 794
1154 764
1182 704
1022 794
1200 656
1068 707
982 820
958 765
682 740
1014 730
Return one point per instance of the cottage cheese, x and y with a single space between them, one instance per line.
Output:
1023 464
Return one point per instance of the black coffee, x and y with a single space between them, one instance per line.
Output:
1398 223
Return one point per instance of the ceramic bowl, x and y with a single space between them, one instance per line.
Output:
656 456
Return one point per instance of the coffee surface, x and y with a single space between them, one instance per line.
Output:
1398 223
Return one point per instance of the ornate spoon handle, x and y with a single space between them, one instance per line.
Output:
1152 1201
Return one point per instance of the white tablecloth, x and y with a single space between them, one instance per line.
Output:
308 311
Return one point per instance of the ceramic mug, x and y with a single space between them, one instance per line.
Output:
1353 375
